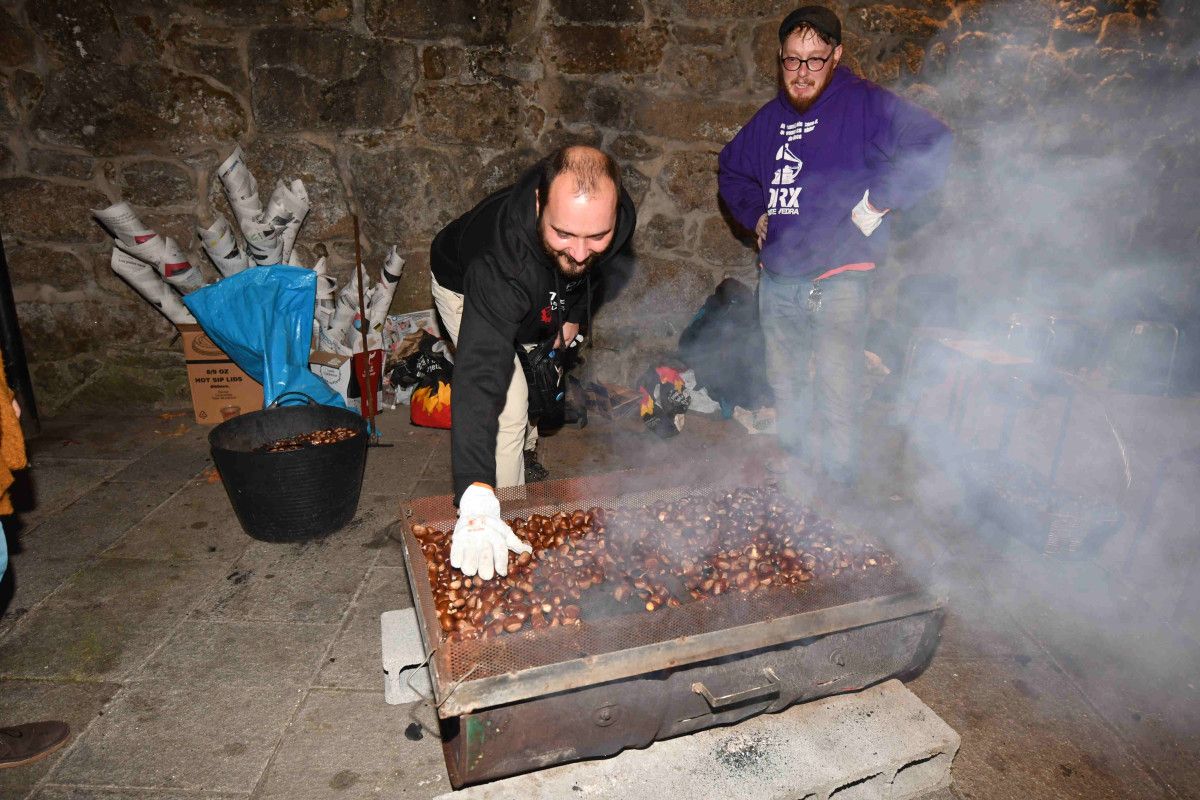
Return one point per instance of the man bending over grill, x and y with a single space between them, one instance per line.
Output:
815 173
516 271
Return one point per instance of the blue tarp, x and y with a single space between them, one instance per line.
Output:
262 318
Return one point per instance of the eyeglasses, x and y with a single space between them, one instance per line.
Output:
814 64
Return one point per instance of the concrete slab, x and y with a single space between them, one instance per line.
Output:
382 507
29 701
93 522
405 676
285 592
197 524
299 582
1027 733
353 662
352 746
393 470
157 734
203 653
816 750
28 583
437 446
977 626
174 461
434 482
105 621
54 484
1100 634
41 559
120 436
391 554
53 792
69 644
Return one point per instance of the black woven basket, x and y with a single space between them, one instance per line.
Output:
296 494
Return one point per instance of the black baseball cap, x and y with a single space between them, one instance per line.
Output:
819 18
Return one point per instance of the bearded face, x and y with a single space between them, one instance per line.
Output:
576 229
566 264
805 85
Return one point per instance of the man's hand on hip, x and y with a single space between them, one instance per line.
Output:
760 230
866 216
481 539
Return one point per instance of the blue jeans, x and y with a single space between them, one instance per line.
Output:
832 336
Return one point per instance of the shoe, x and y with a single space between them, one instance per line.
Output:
24 744
534 471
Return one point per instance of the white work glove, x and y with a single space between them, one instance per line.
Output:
481 539
865 217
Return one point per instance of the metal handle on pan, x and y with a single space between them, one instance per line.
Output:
754 693
278 402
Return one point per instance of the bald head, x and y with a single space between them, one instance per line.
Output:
582 171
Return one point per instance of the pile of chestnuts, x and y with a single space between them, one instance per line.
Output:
661 555
314 439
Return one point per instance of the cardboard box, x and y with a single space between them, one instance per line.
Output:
220 389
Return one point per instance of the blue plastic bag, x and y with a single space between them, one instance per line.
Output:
263 319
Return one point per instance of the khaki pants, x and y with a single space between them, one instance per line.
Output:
515 434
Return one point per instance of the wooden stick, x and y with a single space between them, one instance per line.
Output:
368 389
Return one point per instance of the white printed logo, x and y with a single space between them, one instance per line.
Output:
796 130
786 198
786 174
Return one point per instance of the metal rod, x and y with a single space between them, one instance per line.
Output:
368 391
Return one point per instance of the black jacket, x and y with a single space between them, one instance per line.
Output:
513 293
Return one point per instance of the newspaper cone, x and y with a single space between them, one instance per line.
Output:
286 211
326 285
294 260
240 186
328 344
262 242
346 309
146 281
222 247
122 222
168 258
324 317
382 293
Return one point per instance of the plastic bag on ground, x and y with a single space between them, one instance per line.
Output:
724 345
665 400
262 318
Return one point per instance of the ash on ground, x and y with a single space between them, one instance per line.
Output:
744 752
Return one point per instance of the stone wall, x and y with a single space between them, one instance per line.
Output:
408 111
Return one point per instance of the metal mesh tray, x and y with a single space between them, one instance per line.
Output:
479 673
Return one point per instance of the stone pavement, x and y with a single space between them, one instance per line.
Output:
195 662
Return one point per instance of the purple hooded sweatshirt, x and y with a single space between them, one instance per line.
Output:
808 171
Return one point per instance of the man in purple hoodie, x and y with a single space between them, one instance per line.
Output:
815 173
